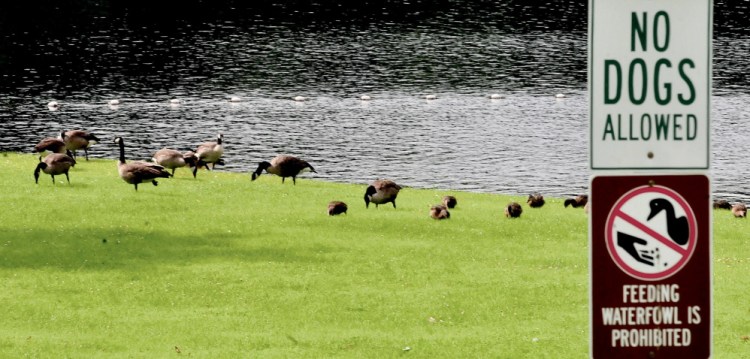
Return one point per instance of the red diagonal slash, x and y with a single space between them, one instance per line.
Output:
664 240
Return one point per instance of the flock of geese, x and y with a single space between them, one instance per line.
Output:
63 153
63 150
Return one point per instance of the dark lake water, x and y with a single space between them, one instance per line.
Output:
395 52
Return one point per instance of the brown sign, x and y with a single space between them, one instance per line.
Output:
650 246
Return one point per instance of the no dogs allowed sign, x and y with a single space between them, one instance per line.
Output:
650 266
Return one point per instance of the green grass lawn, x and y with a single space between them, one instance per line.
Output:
222 267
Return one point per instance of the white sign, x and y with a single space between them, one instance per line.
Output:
650 84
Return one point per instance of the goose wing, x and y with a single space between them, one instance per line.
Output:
289 165
145 170
51 144
386 185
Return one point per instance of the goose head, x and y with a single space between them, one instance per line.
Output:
39 167
368 195
658 205
261 166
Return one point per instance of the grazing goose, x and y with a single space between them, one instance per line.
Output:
513 210
677 228
739 210
450 201
283 166
381 192
174 159
535 200
209 152
54 164
76 140
577 201
722 204
336 207
55 145
439 211
137 172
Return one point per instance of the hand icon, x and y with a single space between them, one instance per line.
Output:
628 242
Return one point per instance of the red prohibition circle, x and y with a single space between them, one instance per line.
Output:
613 214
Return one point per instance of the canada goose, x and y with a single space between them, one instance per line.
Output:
54 164
174 159
381 192
577 201
55 145
513 210
739 210
439 211
722 204
450 201
53 105
113 102
283 166
365 98
137 172
430 97
209 152
77 139
336 207
535 200
677 228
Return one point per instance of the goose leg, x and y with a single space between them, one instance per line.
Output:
394 203
282 180
173 172
136 186
53 179
294 180
66 177
86 152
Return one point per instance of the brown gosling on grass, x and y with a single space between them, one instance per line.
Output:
739 210
535 200
79 140
209 152
450 201
137 172
51 144
173 159
513 210
336 207
577 201
439 211
722 204
381 192
54 164
283 166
